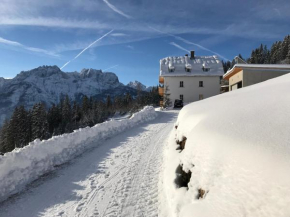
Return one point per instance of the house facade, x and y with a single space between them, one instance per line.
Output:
243 75
189 78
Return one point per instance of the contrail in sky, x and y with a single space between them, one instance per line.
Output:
117 10
179 47
87 48
176 37
111 67
33 49
189 42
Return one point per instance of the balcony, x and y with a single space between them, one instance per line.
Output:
161 91
161 103
161 80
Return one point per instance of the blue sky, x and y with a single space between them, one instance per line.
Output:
54 32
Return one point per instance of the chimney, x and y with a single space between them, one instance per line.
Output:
192 54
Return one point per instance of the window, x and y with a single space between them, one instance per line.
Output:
171 69
237 86
181 84
181 97
205 69
187 69
200 96
200 83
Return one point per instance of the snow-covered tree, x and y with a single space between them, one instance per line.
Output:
166 99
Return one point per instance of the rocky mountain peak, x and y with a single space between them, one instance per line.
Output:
136 84
48 83
2 81
42 71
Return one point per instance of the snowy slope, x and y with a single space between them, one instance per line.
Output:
137 84
238 151
48 83
119 177
21 166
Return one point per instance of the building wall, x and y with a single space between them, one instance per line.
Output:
236 79
191 90
256 76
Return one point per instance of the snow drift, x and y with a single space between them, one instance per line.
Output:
22 166
238 152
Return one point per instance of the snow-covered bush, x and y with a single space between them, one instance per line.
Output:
238 153
21 166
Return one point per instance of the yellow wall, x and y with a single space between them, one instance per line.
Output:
254 76
235 79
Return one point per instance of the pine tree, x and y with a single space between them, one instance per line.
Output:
54 120
85 105
76 115
39 124
66 115
288 55
108 102
285 47
109 105
5 144
22 128
241 57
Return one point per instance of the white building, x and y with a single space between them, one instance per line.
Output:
189 78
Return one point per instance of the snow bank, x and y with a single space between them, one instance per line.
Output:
22 166
238 150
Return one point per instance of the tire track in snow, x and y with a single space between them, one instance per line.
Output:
118 178
140 197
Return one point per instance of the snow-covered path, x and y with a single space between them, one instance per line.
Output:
117 178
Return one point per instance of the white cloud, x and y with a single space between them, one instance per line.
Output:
119 34
33 49
117 10
52 22
130 47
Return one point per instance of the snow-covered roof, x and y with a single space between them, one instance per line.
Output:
274 67
186 66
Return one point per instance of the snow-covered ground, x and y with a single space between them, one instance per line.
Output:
238 151
115 177
20 167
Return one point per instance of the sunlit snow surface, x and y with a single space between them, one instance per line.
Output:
238 150
20 167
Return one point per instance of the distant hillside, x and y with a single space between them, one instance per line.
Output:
278 54
49 84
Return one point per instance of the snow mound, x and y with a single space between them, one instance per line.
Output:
22 166
238 151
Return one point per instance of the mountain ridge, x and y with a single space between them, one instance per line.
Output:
138 85
48 84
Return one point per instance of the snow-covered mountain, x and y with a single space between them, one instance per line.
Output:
137 84
2 82
48 84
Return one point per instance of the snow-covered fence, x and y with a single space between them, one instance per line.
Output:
22 166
